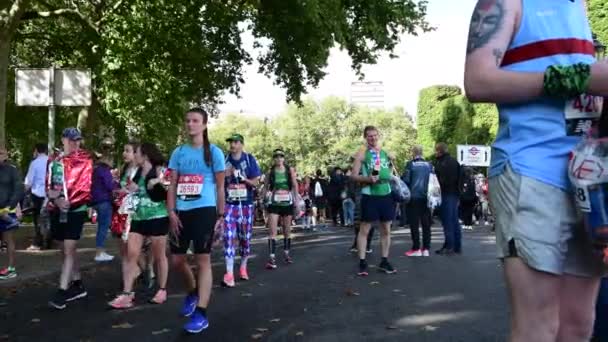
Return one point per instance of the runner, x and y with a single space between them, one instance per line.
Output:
34 183
536 60
304 192
282 187
372 167
11 191
69 191
195 202
242 175
149 220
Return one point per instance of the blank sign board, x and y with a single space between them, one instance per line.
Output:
72 87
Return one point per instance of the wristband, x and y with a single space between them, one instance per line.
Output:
566 82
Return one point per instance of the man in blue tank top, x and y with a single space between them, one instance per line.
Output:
535 60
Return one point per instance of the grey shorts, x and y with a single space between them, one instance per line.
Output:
538 223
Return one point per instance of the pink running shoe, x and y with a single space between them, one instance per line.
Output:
228 280
413 253
244 275
123 301
160 297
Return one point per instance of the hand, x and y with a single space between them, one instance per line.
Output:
175 223
52 194
61 203
374 179
132 187
153 182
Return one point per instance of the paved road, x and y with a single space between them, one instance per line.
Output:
460 298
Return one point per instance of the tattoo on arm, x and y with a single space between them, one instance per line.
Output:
488 17
499 55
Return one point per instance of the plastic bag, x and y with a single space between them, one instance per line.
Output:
433 192
399 190
588 172
299 208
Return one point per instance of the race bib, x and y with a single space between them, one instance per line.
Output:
582 113
282 196
582 199
237 191
190 185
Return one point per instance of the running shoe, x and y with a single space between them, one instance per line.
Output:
354 250
59 299
363 269
228 280
386 267
189 305
244 275
8 273
413 253
369 251
426 253
271 264
33 248
104 257
198 322
160 297
288 259
123 301
76 291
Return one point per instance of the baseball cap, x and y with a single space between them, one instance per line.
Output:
236 137
278 153
72 133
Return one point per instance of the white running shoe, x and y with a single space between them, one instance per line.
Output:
425 253
104 257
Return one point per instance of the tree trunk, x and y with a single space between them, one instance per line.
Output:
4 53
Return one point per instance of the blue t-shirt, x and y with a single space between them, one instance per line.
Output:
189 161
248 168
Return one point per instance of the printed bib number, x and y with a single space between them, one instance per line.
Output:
582 113
582 199
190 185
237 191
282 196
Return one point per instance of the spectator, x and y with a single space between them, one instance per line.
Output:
468 198
336 194
448 173
101 199
34 183
319 194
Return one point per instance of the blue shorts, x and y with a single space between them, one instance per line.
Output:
377 208
6 225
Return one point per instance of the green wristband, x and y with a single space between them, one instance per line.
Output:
566 82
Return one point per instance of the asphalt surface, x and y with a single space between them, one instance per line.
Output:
318 298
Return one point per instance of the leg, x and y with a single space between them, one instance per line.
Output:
355 241
180 264
245 237
425 219
456 228
576 308
315 213
444 213
204 279
385 238
134 245
273 221
287 236
533 295
38 239
68 250
230 235
10 247
104 219
159 251
362 238
370 237
414 218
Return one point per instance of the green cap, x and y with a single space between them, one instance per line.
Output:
236 137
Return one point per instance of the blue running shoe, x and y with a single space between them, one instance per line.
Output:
189 306
198 322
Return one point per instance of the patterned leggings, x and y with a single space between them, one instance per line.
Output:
235 232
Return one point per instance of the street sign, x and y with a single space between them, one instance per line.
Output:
474 155
72 87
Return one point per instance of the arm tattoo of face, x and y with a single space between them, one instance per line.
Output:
487 20
499 55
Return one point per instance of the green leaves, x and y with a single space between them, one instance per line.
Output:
598 16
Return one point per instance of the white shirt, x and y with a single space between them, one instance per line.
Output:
36 175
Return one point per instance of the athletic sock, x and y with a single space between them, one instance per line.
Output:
244 261
272 247
229 264
202 310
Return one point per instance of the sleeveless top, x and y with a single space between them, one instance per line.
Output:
281 195
535 138
379 161
146 208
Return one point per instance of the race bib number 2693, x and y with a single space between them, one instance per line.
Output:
190 185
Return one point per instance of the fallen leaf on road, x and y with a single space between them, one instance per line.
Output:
374 283
396 290
305 310
163 331
246 294
262 330
319 271
35 320
429 328
256 336
300 333
391 327
275 320
352 293
125 325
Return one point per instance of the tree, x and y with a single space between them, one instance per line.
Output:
598 16
151 59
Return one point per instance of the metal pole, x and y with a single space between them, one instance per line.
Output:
51 142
